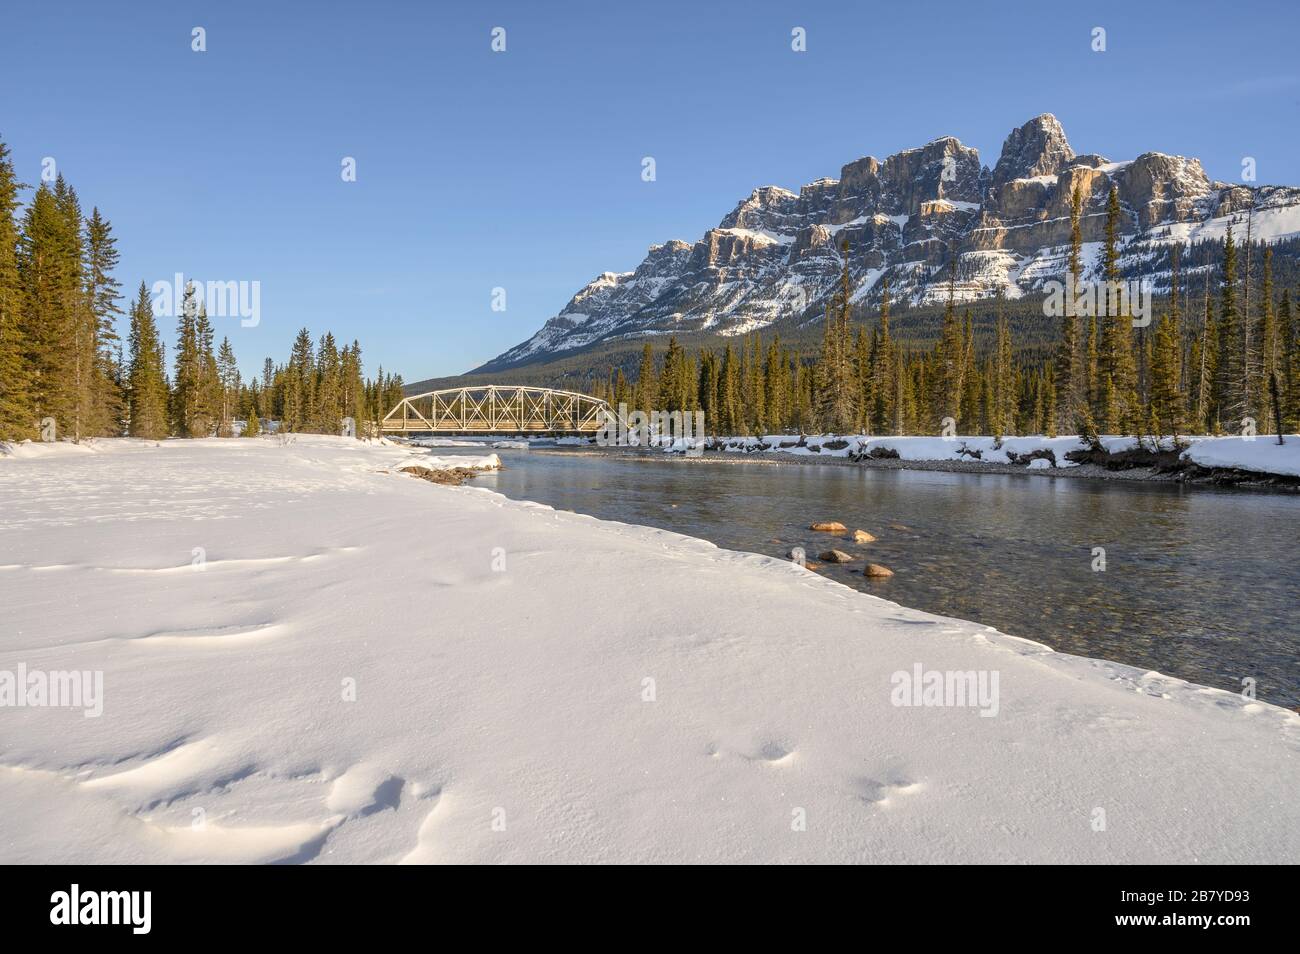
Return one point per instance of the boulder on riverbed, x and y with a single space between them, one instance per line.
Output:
878 571
829 526
835 556
861 536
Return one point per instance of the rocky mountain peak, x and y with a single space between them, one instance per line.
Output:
776 257
1038 148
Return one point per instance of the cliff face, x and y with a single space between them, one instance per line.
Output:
777 254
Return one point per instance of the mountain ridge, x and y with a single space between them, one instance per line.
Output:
776 256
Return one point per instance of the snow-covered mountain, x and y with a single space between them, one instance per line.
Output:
776 255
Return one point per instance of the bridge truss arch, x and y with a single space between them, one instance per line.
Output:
497 409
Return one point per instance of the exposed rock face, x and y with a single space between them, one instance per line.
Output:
777 255
1038 148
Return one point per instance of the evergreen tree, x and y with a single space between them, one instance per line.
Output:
1118 376
1003 421
1231 400
949 359
102 292
645 381
1166 398
146 379
837 391
884 376
50 273
1288 332
228 378
17 410
1068 353
187 373
329 412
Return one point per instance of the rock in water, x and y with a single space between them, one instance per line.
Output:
835 556
829 527
861 536
878 571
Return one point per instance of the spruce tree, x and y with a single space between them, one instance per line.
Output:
1230 390
1118 392
49 263
17 412
102 293
1288 329
1166 399
884 385
949 358
1068 354
646 390
146 378
228 378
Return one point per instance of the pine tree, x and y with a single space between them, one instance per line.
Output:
50 273
1231 400
102 292
646 381
776 388
1288 331
329 413
17 411
862 368
1267 338
253 426
187 373
1003 421
949 358
1118 375
836 404
299 385
1068 354
1166 399
884 383
729 394
228 378
146 378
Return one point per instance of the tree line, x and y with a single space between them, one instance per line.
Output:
61 356
1222 359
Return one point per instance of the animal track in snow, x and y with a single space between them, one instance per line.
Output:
884 793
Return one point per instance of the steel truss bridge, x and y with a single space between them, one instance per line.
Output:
496 409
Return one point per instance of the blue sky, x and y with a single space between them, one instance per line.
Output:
522 169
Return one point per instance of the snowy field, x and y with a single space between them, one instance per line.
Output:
299 654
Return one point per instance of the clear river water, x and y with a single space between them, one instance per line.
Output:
1198 583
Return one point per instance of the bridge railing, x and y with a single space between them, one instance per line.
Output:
497 409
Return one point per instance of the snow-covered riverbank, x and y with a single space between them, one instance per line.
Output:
307 655
1241 457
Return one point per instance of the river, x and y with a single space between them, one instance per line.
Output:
1198 583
